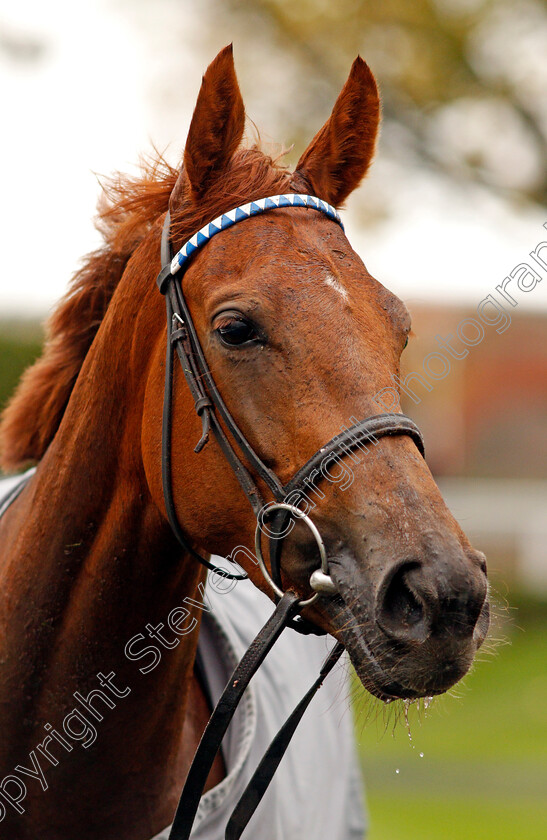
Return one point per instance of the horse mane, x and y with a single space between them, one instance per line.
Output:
128 209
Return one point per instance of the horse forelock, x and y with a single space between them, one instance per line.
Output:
128 209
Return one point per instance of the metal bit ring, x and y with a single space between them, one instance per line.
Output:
323 582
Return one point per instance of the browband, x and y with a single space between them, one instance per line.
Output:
253 208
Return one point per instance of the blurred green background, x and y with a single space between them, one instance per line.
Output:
476 765
456 197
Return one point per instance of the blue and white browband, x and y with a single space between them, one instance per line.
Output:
253 208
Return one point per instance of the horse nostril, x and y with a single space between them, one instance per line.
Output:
481 560
399 611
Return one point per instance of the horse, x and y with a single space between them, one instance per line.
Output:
300 339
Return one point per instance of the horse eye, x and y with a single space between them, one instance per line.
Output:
405 344
237 331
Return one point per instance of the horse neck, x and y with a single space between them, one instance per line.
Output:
89 563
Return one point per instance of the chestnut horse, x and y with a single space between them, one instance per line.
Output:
300 338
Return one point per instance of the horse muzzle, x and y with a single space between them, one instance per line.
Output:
413 629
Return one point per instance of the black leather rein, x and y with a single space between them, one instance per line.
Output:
182 338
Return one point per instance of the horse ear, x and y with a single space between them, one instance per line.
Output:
217 125
339 155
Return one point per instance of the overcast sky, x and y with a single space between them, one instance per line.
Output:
86 87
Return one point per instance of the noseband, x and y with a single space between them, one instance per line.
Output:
183 339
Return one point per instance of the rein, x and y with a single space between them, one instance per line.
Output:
182 338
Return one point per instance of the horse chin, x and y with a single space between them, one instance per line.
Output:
385 681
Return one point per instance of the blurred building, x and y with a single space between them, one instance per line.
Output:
484 419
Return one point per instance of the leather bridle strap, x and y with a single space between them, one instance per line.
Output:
264 773
364 431
166 440
223 713
355 437
182 337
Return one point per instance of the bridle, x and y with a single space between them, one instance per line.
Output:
183 339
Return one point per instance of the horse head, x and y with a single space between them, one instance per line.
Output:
301 340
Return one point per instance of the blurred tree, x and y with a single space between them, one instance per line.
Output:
464 82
